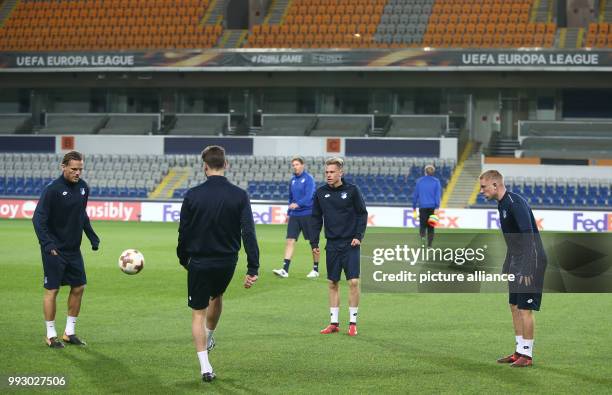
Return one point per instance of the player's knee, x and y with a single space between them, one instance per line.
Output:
353 282
52 293
77 290
333 285
513 308
290 242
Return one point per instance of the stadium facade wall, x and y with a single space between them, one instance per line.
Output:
256 146
395 217
549 171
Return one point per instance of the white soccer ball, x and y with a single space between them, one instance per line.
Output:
131 261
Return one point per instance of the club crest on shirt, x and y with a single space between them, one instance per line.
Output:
292 182
64 193
343 195
327 195
83 191
303 180
504 214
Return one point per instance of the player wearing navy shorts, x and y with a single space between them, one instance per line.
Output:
301 191
525 259
59 221
340 207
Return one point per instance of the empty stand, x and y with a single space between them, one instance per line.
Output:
11 123
383 180
418 126
200 124
599 35
343 125
287 124
131 124
60 123
107 25
487 23
559 193
322 24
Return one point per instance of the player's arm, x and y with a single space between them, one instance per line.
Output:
184 225
316 222
526 237
438 194
41 221
309 189
415 197
249 238
89 232
362 215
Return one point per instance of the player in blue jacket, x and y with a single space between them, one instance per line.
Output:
301 192
427 196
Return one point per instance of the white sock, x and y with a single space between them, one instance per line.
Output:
204 364
519 343
209 335
527 347
333 312
70 323
51 329
353 315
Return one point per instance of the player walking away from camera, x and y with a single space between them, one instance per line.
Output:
525 258
340 207
214 215
427 197
301 192
59 221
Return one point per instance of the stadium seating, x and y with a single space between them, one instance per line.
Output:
559 193
599 35
11 123
487 23
322 24
107 175
386 180
107 25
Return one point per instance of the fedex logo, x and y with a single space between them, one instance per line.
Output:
493 220
171 213
604 224
446 221
273 215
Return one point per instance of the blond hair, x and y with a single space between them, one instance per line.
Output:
335 161
492 175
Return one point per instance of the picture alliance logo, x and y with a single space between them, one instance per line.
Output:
421 254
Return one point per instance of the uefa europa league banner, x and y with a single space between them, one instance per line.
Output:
378 59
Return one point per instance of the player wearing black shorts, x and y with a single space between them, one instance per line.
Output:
525 259
340 206
214 216
59 221
301 191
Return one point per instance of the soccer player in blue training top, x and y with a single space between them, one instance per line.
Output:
301 193
525 258
214 215
59 221
427 197
340 207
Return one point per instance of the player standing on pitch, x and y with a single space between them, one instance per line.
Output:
340 206
301 193
59 221
427 194
525 258
214 215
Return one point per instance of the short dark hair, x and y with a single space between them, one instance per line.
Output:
298 158
214 157
72 155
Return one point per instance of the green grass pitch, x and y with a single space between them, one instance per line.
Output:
268 341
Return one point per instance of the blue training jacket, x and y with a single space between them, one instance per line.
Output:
301 192
427 193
